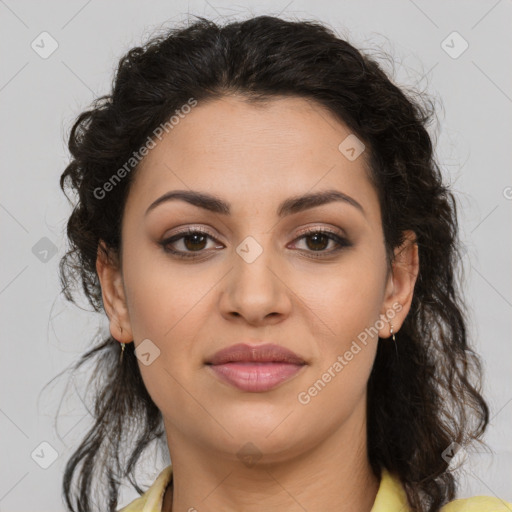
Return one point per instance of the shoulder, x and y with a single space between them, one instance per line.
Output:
478 504
152 499
135 506
391 496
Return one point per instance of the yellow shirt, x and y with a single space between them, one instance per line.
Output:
390 498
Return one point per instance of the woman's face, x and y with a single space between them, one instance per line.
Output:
254 275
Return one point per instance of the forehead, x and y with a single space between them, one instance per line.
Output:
254 152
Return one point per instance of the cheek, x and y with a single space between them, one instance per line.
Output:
348 302
348 296
162 298
346 343
167 308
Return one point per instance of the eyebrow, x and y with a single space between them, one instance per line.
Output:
294 204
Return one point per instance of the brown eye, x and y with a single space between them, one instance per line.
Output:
318 239
192 241
195 241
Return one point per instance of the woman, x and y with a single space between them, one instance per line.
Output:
261 218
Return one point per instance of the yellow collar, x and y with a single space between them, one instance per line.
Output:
390 496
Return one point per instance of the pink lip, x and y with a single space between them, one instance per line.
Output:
255 368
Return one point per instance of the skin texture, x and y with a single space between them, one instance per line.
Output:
254 157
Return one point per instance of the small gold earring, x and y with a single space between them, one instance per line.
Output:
122 347
391 331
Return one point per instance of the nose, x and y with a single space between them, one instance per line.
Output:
255 290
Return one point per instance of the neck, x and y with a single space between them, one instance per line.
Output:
331 477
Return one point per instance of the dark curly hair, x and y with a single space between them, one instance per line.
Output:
421 398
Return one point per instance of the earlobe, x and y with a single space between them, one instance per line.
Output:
112 290
401 283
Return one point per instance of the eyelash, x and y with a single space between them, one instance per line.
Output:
342 242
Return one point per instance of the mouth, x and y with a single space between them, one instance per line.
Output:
255 368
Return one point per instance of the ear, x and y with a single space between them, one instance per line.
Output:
400 285
112 289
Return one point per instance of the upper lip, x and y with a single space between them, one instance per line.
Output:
258 353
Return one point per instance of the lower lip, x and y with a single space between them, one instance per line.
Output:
255 377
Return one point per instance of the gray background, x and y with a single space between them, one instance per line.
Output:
39 99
